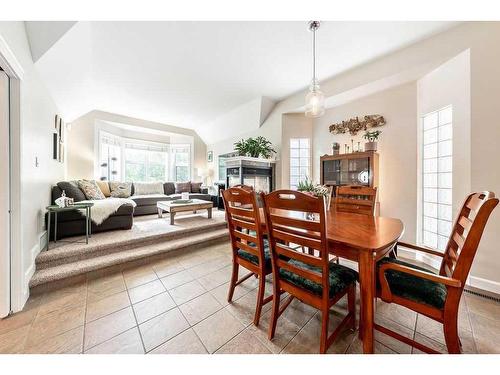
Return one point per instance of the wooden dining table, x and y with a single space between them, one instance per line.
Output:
363 239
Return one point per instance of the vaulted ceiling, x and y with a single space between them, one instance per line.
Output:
190 73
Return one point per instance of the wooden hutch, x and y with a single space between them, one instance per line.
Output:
357 168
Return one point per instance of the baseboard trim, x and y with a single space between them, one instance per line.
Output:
28 274
484 284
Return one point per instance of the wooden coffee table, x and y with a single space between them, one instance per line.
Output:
172 207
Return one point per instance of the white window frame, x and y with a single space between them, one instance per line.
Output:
145 145
435 176
300 176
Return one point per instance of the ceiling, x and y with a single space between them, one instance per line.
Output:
188 74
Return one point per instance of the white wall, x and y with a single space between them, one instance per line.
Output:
81 141
396 147
38 112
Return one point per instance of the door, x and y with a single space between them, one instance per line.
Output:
4 196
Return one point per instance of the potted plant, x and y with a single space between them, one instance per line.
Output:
316 190
371 137
255 147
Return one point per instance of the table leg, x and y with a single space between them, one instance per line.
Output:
172 215
367 286
48 230
55 227
209 212
90 221
160 213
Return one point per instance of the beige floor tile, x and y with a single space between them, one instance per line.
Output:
481 306
107 327
434 330
146 291
153 306
285 331
128 342
217 278
13 341
135 277
55 323
220 293
356 347
209 267
176 279
468 344
72 296
185 343
199 308
70 342
187 292
390 342
17 320
486 334
397 313
218 329
162 328
167 267
244 343
300 313
105 286
107 305
244 308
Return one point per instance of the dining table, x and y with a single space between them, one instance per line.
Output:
363 239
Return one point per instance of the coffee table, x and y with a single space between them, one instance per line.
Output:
172 207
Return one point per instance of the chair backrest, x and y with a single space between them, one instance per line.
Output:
296 218
466 235
243 220
356 199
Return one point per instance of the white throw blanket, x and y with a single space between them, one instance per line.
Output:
104 208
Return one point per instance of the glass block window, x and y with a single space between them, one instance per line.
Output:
437 178
300 161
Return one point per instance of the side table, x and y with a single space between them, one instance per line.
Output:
77 206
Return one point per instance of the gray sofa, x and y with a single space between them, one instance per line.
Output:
71 223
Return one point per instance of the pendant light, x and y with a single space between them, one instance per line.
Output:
315 100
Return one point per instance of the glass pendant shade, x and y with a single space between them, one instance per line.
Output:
315 101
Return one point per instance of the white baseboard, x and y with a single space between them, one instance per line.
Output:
28 274
484 284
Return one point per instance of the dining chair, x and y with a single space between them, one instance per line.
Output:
356 199
250 249
298 218
437 295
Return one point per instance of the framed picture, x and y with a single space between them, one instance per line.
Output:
55 146
210 156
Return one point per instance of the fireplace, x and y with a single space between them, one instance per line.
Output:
258 173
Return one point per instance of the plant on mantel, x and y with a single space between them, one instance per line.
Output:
255 147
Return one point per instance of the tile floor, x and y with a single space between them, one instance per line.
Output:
178 305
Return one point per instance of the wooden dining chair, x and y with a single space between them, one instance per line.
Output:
356 199
250 249
298 218
437 296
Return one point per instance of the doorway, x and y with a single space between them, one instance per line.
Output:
5 235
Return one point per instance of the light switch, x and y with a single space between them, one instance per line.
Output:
36 162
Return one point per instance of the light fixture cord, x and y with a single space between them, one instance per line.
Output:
314 54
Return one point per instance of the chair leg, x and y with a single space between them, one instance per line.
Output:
360 324
351 304
260 299
325 317
275 310
234 279
450 327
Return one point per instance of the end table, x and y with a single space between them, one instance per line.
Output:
77 206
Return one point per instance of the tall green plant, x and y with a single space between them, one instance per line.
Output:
255 147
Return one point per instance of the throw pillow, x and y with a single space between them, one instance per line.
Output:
104 186
72 190
196 187
120 189
90 189
169 188
182 187
148 188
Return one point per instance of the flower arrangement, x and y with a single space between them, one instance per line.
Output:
372 136
308 187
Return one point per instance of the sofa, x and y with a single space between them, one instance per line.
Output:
72 223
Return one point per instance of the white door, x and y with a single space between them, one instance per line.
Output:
4 196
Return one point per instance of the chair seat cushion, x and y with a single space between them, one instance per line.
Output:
340 277
414 288
253 258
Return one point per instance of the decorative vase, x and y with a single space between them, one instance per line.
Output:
371 146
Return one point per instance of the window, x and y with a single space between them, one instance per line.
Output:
181 160
300 161
110 157
146 162
437 166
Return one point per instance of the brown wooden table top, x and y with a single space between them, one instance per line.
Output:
358 231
